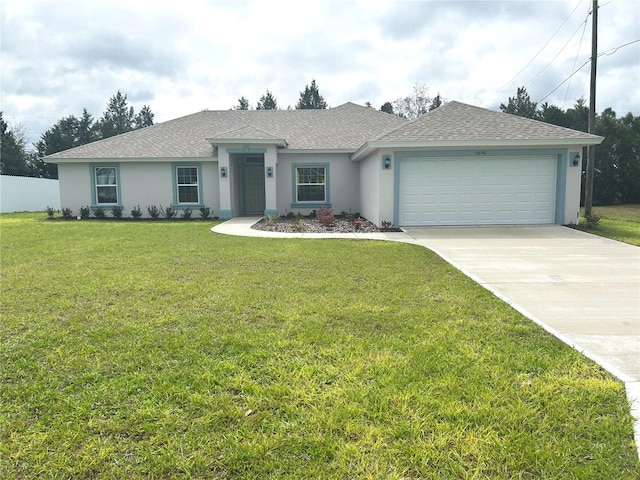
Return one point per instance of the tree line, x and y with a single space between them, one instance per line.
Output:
617 160
68 132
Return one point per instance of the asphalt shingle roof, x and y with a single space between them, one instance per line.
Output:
346 127
455 121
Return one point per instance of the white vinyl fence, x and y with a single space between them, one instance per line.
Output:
27 194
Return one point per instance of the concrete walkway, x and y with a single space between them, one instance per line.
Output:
582 288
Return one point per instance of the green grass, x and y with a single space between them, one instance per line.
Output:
619 222
162 350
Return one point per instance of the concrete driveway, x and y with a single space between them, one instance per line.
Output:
583 287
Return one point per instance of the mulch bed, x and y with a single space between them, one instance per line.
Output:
313 225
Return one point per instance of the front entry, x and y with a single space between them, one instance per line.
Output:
253 194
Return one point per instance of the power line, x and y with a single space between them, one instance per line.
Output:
556 56
609 52
584 29
543 47
615 49
563 82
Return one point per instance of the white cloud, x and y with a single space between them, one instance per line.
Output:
182 57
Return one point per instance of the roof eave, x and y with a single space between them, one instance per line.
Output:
318 150
369 147
278 142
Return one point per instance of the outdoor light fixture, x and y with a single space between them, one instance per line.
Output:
223 172
386 162
269 171
576 160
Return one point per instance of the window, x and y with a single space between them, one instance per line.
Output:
187 184
311 184
106 182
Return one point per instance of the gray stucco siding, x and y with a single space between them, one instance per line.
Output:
343 182
141 183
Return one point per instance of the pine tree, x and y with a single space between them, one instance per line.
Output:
310 98
14 159
267 102
118 118
243 104
520 105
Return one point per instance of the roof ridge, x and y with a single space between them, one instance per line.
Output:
245 127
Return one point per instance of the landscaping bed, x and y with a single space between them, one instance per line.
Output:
320 224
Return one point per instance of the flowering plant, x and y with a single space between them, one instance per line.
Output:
357 224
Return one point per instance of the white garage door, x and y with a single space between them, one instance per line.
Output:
477 191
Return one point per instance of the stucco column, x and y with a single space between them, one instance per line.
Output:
224 172
270 192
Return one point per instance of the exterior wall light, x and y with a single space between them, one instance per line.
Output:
386 162
576 160
269 171
223 172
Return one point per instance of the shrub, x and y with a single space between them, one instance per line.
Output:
116 211
136 213
168 212
99 212
272 220
85 212
299 226
154 212
50 211
67 214
592 221
186 213
325 217
386 225
205 212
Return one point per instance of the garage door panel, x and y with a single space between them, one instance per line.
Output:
472 191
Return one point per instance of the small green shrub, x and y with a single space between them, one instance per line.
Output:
186 213
272 220
50 212
136 213
99 212
154 212
85 212
290 215
205 212
67 214
592 221
116 211
325 217
386 225
169 212
299 226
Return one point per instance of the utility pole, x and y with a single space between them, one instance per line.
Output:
588 188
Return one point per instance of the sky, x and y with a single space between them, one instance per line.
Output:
181 57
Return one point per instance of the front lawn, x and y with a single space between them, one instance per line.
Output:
162 350
619 222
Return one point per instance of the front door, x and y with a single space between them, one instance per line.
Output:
253 185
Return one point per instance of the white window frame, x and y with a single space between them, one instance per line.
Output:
97 186
177 184
296 184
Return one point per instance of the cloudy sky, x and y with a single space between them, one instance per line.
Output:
180 57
